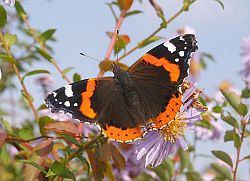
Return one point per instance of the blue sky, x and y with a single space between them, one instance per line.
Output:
81 27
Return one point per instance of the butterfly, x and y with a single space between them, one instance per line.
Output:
126 105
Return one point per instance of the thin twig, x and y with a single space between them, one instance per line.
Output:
244 123
77 152
27 94
112 42
152 34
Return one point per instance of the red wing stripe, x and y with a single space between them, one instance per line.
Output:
173 69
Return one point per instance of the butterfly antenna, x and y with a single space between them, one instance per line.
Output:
117 55
85 55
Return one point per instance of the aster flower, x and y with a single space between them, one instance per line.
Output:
214 133
245 47
158 144
10 2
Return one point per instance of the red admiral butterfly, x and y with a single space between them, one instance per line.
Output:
145 96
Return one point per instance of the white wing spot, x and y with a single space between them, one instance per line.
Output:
181 53
68 91
54 94
60 102
185 42
75 104
56 100
67 104
185 48
177 59
170 47
181 38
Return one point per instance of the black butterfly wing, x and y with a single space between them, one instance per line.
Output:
158 75
97 100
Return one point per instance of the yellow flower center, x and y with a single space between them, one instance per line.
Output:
174 129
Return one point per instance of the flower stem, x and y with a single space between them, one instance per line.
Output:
113 38
54 62
244 123
152 34
27 94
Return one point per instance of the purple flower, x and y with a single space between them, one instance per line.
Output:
214 133
10 2
45 82
132 166
158 144
245 47
56 116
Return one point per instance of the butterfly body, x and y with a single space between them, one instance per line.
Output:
144 96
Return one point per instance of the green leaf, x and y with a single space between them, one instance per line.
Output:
204 123
58 168
233 99
76 77
186 4
44 54
184 158
7 58
170 167
148 41
223 156
7 127
237 140
10 39
35 72
220 2
67 70
242 109
134 12
207 56
34 164
106 65
193 176
3 16
20 10
84 161
217 109
45 36
25 133
230 120
42 122
246 157
245 93
71 139
221 171
229 135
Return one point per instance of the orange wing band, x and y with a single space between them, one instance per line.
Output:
170 112
85 107
118 134
173 69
